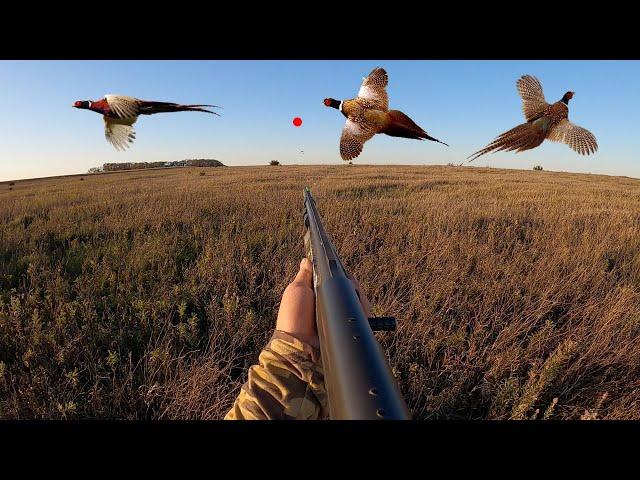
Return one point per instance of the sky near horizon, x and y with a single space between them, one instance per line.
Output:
463 103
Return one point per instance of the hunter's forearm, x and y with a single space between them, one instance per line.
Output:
286 384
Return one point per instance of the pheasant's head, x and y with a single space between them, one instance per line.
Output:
82 104
332 102
567 96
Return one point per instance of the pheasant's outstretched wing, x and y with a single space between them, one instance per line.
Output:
123 106
373 89
354 135
533 101
119 135
579 139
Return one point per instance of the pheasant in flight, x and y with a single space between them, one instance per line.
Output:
544 121
369 113
121 112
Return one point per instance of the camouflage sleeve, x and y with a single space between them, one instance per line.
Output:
287 383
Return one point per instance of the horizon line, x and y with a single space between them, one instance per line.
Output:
2 182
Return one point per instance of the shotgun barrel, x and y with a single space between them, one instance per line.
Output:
357 377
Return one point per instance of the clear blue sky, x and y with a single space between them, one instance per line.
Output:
464 103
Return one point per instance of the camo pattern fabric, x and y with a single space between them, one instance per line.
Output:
287 383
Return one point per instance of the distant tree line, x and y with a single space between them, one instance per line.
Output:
195 162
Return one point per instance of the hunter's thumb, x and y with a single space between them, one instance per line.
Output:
305 274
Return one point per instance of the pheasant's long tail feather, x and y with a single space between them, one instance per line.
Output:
429 137
400 125
150 108
520 138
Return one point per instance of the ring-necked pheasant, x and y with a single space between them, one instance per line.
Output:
121 112
544 121
369 113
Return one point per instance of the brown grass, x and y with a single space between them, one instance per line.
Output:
148 294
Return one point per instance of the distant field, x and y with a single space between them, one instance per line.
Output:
148 294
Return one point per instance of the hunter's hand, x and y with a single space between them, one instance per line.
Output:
297 314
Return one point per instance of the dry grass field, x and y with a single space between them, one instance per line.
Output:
148 294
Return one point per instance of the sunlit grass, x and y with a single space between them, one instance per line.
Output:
148 294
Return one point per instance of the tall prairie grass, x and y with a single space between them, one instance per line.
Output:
148 294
